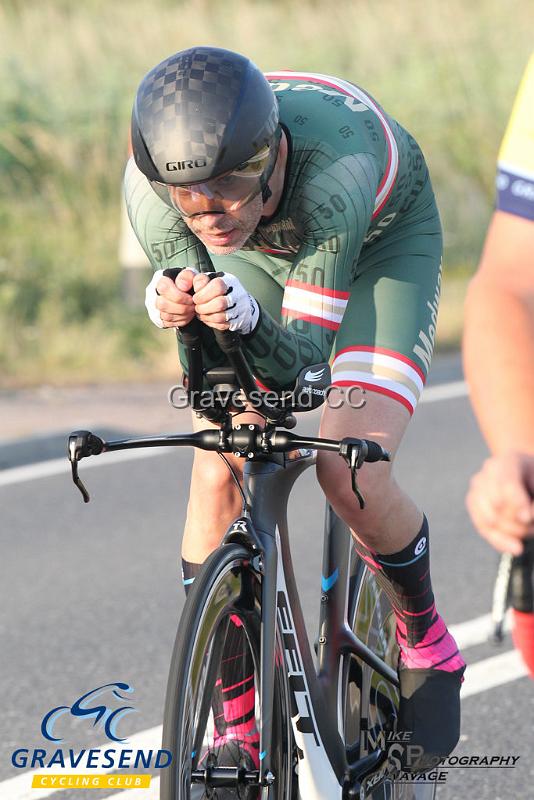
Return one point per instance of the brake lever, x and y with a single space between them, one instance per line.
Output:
77 482
81 445
355 456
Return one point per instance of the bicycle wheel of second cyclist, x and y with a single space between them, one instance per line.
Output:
370 701
226 592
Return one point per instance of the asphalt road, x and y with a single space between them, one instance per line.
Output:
91 594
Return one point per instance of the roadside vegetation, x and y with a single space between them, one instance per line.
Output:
68 74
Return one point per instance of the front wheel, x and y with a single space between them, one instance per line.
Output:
226 593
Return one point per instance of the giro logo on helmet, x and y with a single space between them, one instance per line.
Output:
173 166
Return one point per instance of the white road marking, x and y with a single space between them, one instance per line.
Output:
476 631
493 672
444 391
61 466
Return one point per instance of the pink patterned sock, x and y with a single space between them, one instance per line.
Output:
422 635
237 690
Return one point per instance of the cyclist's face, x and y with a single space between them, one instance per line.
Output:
224 233
227 231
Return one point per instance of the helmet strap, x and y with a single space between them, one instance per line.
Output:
265 178
266 193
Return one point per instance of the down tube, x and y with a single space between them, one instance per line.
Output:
334 599
322 761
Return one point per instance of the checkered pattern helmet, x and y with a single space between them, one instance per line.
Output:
199 114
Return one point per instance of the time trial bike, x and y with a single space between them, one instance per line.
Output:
326 725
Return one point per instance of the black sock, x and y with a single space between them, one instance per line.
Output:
405 578
189 573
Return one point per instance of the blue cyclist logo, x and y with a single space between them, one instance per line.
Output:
85 706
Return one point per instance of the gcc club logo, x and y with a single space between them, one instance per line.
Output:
84 706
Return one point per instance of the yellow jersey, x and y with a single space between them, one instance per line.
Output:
515 169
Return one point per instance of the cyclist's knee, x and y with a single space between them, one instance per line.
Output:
214 502
210 474
375 482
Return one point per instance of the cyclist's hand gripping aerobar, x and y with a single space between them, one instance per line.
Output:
222 302
168 299
218 299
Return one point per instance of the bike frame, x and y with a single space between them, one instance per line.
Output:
315 701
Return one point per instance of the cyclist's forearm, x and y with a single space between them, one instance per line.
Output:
277 354
498 361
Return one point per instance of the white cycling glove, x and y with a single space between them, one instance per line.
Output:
151 296
243 312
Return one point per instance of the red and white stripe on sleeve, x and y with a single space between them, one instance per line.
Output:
380 370
315 304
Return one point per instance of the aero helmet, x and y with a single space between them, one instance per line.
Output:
205 126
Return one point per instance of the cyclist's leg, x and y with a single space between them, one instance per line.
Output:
384 345
214 500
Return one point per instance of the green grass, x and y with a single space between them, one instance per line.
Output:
68 74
